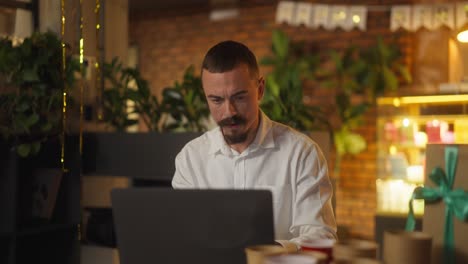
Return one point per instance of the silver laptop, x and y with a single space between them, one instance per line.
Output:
162 225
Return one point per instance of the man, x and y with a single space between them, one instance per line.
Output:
249 151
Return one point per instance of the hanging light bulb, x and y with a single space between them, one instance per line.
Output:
463 36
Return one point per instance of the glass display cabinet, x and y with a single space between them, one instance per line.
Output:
404 126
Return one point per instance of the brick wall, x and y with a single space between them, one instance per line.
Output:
170 43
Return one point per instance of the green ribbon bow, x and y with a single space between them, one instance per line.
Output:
456 201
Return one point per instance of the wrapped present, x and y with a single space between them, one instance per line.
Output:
406 247
446 202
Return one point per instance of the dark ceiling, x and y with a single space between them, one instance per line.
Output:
171 5
165 5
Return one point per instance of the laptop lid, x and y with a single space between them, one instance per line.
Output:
159 225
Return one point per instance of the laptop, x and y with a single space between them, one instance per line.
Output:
162 225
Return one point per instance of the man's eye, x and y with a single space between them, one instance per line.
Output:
240 98
216 100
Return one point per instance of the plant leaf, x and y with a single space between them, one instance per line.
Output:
23 150
30 75
280 44
32 119
35 147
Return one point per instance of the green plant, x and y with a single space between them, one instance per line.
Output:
283 99
384 70
125 85
32 84
353 72
345 77
368 73
185 102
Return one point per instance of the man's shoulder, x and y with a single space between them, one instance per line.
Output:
283 132
200 144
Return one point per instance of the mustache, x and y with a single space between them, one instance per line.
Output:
233 120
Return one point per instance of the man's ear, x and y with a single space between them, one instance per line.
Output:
261 88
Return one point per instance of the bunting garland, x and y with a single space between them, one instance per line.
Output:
349 17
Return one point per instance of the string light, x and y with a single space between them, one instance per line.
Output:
83 78
64 93
97 66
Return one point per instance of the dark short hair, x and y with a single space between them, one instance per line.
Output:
227 55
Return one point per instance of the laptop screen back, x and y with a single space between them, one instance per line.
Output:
155 225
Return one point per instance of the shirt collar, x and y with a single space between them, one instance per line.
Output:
263 139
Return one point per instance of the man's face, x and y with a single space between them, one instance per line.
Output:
233 98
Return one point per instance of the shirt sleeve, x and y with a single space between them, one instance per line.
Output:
182 177
313 215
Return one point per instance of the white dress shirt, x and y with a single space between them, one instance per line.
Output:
279 159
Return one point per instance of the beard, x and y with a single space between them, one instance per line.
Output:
233 138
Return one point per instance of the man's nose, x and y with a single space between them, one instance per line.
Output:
230 109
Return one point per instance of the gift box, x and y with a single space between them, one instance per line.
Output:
444 160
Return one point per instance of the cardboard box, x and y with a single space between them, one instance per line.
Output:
434 214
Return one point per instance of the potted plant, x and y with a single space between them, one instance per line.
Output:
352 72
186 104
32 81
39 171
365 73
182 109
283 99
125 85
183 106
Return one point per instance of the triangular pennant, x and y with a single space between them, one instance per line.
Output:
422 17
444 16
337 17
320 16
357 17
461 16
285 12
304 13
400 17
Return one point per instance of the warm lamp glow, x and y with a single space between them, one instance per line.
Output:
356 19
406 122
393 150
463 36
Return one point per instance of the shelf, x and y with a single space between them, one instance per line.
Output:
397 215
422 119
31 231
405 127
404 145
432 99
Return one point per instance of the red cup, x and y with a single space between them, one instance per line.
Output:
321 245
